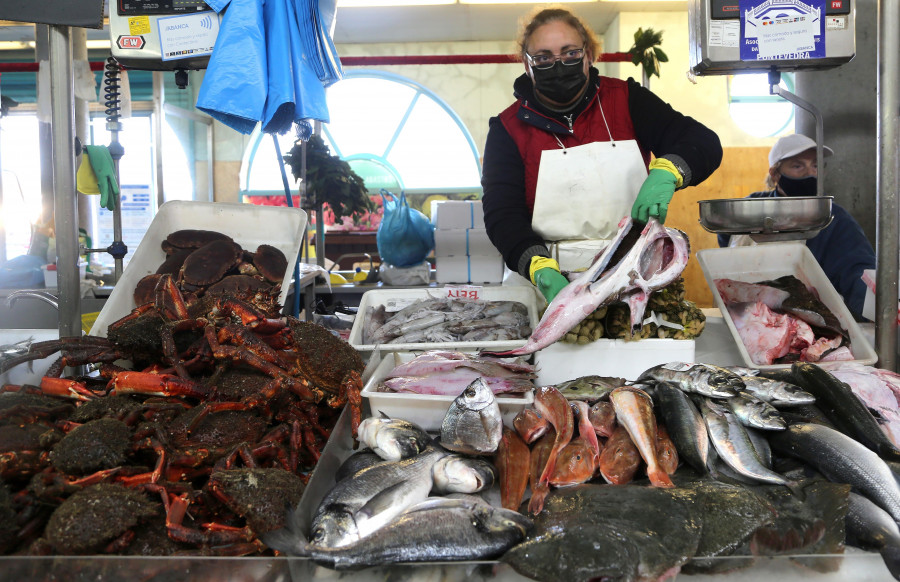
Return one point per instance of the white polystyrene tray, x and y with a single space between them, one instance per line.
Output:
426 410
249 226
30 373
403 297
769 261
616 358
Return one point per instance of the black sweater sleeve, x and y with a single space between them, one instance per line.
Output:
506 215
664 131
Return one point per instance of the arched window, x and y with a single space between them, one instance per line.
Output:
754 110
395 134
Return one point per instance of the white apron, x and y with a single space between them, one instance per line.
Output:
582 193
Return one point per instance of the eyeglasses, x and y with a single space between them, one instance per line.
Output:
546 60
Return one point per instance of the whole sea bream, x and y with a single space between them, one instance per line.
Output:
657 258
435 530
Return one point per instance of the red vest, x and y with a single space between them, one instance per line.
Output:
532 137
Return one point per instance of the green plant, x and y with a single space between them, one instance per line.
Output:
330 180
646 52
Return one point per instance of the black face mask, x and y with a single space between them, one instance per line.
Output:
798 186
561 83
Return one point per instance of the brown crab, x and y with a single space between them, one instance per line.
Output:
209 263
270 262
191 239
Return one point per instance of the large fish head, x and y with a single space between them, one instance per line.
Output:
576 464
455 474
334 528
473 424
497 521
476 396
399 442
757 413
718 382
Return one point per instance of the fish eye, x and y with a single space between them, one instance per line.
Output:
470 392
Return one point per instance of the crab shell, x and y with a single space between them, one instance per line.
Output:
145 288
209 263
270 262
191 239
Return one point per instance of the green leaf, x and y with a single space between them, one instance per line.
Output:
660 55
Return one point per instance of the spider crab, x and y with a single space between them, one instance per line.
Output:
173 342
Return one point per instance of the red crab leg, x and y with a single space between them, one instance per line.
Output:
168 300
66 388
218 536
157 385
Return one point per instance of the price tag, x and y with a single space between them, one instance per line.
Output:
467 292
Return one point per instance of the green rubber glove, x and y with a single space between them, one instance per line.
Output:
546 276
654 196
105 170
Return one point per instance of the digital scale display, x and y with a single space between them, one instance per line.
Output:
143 7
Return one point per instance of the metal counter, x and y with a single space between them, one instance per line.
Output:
715 346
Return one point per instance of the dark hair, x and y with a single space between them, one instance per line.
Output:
543 16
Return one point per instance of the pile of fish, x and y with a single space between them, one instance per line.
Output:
658 257
773 460
380 512
448 373
782 321
446 320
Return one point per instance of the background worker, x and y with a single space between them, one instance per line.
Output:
569 159
841 248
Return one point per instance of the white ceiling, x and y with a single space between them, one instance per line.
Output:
468 22
445 23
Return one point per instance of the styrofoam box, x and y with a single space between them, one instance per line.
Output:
457 214
427 410
769 261
33 372
396 299
451 242
249 226
561 361
469 269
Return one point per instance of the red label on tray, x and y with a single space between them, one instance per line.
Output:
468 292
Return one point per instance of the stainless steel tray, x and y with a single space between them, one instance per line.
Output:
768 216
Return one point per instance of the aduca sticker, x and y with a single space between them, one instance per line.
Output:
782 29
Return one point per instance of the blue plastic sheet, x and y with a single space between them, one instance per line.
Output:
272 62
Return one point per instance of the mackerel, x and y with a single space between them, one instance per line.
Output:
776 392
703 379
734 446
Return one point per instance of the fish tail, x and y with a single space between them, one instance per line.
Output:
660 478
536 505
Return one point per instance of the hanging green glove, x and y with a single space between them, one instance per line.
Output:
546 276
105 171
657 191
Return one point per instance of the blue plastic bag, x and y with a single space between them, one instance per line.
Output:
405 235
22 272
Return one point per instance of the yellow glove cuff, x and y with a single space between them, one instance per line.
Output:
538 263
85 179
664 164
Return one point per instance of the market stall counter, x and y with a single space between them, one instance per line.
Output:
715 346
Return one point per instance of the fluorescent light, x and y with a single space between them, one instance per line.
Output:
384 3
98 44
